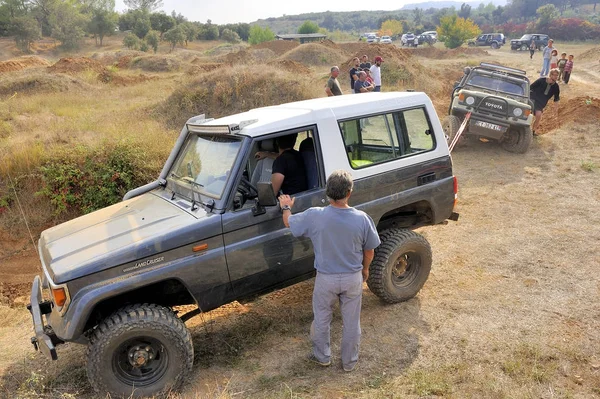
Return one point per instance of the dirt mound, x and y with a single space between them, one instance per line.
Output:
114 57
315 54
291 66
250 56
234 90
329 43
279 47
76 65
21 63
385 51
39 82
432 52
199 68
579 109
123 80
591 54
156 63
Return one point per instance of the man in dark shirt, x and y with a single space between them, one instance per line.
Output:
361 85
541 91
289 174
353 72
365 64
333 87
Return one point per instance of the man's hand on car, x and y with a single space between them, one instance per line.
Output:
285 199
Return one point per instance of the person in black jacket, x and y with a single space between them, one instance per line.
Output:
541 91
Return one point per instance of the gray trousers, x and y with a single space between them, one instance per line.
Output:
345 288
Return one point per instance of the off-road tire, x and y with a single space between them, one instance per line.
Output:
397 247
450 126
495 45
166 335
519 139
524 47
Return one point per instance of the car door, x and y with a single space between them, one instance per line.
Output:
261 252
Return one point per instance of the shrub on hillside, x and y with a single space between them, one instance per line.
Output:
235 90
85 179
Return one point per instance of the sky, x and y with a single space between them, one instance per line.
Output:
232 11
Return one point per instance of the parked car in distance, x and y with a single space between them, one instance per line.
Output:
431 33
523 43
385 40
425 39
372 39
494 40
408 39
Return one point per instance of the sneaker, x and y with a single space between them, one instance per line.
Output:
312 358
349 369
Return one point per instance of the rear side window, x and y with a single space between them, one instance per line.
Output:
385 137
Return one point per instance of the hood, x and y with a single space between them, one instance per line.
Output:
121 233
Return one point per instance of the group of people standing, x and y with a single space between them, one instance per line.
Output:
551 61
364 77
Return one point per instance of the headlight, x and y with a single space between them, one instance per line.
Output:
517 112
470 101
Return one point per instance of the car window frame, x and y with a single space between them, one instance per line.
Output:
402 136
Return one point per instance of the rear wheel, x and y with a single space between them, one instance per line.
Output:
401 265
450 125
518 140
523 47
140 350
495 45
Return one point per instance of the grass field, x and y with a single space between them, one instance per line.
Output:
510 309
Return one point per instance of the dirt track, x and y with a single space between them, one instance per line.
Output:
510 310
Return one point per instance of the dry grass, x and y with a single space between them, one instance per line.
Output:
509 311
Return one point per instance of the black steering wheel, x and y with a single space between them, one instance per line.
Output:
247 189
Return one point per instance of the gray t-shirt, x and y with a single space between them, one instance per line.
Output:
339 237
334 86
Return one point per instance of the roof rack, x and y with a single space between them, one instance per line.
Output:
502 68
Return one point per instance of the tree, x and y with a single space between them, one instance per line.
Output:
179 18
308 27
230 36
190 30
175 36
259 35
102 23
209 31
465 10
161 22
25 29
391 27
418 16
131 41
142 25
547 13
153 38
67 24
42 10
145 5
453 30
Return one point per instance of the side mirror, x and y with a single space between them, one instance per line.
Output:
467 70
266 197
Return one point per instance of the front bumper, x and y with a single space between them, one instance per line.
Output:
44 340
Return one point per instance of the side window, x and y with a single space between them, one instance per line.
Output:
382 138
418 130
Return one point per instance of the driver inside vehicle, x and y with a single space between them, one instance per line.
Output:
289 174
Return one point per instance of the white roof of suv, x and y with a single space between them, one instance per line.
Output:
308 112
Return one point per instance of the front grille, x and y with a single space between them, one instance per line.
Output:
494 105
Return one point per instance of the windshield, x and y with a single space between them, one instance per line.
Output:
498 83
526 37
205 163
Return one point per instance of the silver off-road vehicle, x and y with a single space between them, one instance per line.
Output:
496 101
209 231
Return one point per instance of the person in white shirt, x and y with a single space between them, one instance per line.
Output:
376 73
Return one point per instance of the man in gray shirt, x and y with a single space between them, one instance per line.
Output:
344 240
333 86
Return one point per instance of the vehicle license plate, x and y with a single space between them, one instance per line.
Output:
490 126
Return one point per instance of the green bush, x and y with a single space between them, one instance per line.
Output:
84 179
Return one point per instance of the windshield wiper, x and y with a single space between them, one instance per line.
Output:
193 185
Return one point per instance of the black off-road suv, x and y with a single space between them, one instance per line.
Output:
209 231
524 42
496 98
493 40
